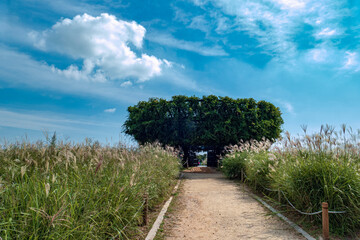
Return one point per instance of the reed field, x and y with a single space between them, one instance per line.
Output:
60 190
306 170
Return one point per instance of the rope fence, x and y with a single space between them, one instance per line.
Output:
292 205
325 211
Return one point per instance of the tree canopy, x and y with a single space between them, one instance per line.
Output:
202 123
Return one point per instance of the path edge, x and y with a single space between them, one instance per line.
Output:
152 233
288 221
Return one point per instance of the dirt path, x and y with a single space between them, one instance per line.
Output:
212 207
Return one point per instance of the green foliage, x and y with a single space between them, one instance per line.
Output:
209 121
83 191
253 158
202 158
258 167
308 180
309 170
233 164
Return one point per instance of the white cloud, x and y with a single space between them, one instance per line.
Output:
66 7
126 84
86 73
29 121
104 43
169 64
110 110
223 24
319 55
198 47
274 23
13 32
39 75
289 107
327 32
291 4
200 23
181 15
40 121
333 59
285 105
351 61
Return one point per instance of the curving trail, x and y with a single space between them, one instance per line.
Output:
212 207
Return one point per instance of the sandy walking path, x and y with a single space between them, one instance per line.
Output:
212 207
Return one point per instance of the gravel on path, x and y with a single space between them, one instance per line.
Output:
211 207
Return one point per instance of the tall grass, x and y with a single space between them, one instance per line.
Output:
80 191
310 169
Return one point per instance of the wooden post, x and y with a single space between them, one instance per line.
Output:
146 209
325 220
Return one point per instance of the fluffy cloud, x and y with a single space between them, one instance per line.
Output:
39 75
104 43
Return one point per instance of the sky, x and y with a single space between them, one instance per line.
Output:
75 66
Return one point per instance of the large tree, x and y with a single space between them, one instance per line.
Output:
210 122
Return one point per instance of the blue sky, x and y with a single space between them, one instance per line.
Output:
75 66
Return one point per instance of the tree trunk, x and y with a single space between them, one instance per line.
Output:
185 160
